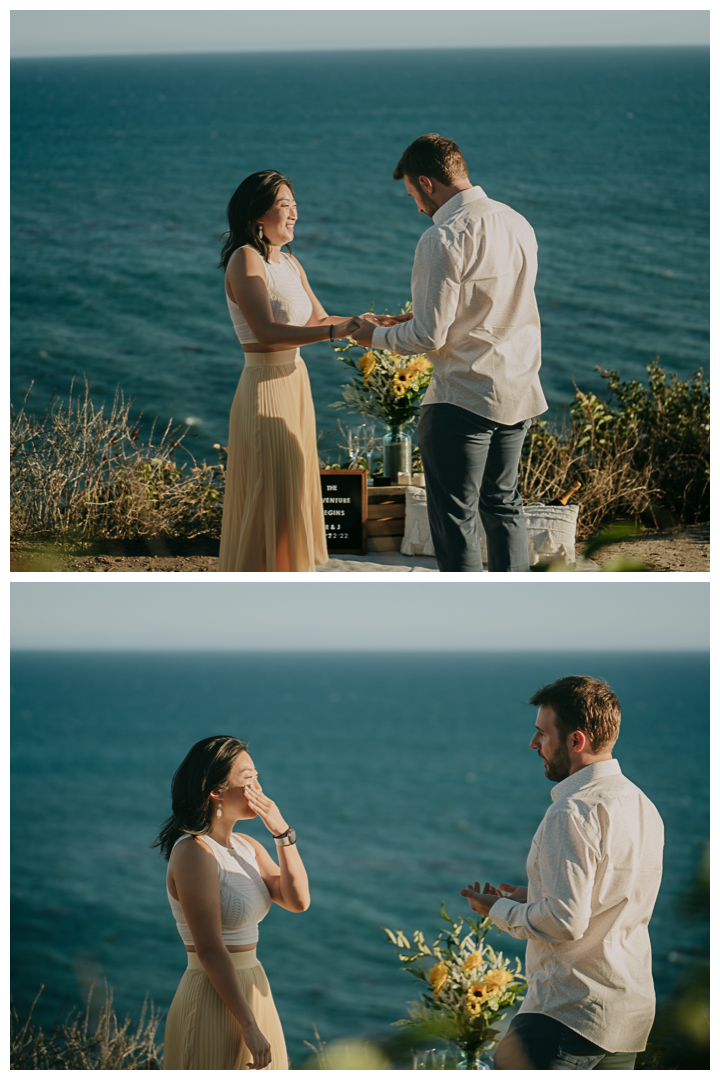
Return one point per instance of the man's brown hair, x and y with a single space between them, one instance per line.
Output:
581 703
435 156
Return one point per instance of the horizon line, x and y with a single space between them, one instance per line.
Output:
378 650
349 48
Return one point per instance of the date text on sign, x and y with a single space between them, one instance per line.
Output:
344 496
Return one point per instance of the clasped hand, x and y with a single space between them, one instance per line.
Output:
482 900
369 321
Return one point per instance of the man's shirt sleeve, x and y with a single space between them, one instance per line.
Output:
435 294
566 864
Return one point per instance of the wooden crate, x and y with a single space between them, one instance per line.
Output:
386 517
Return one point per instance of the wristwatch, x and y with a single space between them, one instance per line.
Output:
286 839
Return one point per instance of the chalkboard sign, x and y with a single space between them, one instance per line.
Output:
344 496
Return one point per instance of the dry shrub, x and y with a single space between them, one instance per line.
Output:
612 485
79 472
649 457
92 1039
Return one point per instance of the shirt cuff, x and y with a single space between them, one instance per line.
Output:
379 338
501 912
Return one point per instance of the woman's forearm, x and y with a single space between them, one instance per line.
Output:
221 973
293 879
294 336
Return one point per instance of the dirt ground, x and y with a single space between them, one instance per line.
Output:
669 551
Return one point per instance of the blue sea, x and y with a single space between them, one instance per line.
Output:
405 777
122 168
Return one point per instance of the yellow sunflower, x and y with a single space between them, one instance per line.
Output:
498 979
366 364
472 961
437 977
492 985
402 381
419 363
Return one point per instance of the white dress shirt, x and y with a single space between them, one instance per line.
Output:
474 310
594 872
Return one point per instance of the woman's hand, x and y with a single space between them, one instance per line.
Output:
346 327
258 1046
385 320
518 893
481 900
265 809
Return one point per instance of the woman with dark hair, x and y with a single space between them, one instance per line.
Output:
272 515
220 885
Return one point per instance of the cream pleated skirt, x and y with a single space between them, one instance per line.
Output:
201 1032
272 514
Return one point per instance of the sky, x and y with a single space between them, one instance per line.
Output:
44 33
541 615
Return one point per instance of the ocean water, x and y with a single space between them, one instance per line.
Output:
405 776
122 168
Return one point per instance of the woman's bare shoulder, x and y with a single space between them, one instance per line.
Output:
193 851
246 260
254 844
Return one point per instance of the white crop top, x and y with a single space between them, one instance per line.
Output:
288 299
244 898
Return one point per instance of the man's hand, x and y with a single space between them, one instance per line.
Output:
481 900
363 335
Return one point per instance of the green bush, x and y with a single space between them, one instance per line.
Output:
644 454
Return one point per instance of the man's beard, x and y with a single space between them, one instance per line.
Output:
558 766
429 205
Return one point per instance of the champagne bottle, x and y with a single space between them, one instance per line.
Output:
565 499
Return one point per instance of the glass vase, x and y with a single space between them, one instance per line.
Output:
397 453
479 1058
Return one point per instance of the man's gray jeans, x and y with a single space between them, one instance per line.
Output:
471 464
535 1041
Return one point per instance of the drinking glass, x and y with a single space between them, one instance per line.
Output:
370 446
354 437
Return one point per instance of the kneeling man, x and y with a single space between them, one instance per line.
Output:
594 872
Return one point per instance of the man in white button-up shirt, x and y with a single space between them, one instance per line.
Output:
475 316
594 871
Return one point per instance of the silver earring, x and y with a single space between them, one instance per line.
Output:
260 231
219 810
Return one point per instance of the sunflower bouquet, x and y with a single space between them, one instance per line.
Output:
386 386
469 986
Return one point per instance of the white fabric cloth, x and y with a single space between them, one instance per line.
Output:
550 530
594 871
474 310
244 898
289 301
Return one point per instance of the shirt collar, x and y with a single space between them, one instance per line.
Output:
571 784
462 198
